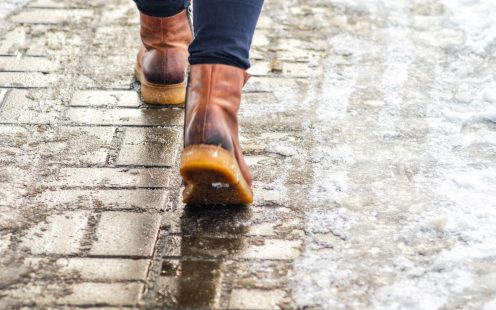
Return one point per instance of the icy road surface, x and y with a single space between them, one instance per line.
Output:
402 137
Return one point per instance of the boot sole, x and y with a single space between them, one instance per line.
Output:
212 176
173 94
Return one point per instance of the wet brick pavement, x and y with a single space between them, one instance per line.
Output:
369 134
91 212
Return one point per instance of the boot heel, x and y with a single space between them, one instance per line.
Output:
163 94
212 176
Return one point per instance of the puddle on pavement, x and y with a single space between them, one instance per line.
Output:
209 235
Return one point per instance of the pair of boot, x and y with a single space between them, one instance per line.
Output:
212 164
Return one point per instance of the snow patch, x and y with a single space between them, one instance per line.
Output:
7 7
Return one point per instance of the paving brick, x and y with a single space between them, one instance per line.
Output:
123 13
266 84
80 294
172 246
48 40
119 82
4 244
298 55
204 247
263 229
78 145
51 16
150 147
301 70
104 293
27 63
235 223
107 71
109 177
3 94
260 39
256 299
105 269
265 22
19 107
13 141
290 44
126 37
171 223
40 40
11 180
257 54
12 38
130 234
278 220
269 195
215 221
47 4
126 117
252 100
257 274
104 199
198 246
272 249
26 79
59 234
104 308
105 98
189 284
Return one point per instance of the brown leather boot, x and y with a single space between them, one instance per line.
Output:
212 163
162 60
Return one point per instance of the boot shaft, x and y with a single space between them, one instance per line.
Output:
163 58
212 104
166 32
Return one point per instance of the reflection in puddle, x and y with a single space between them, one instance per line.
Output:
209 235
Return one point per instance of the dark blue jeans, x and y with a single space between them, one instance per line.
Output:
223 28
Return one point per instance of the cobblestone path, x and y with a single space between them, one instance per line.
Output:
369 127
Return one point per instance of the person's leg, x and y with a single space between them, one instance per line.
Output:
212 163
161 8
223 31
162 60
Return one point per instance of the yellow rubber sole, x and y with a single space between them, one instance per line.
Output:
173 94
212 176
